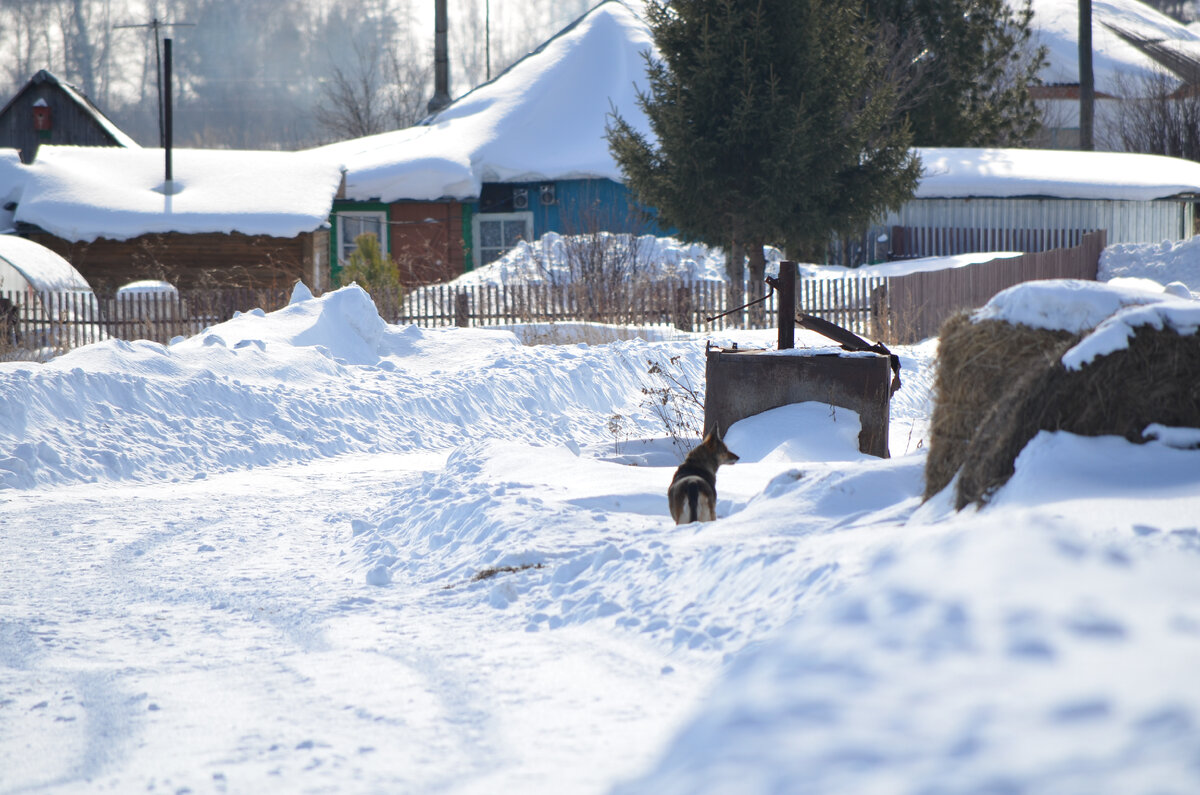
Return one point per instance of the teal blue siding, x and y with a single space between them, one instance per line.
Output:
580 206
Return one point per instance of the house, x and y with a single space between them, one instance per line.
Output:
227 218
49 111
519 156
1131 44
1033 200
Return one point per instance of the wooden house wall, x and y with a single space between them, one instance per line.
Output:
431 241
584 206
427 241
577 206
195 260
70 124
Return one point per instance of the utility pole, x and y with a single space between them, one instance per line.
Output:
1087 80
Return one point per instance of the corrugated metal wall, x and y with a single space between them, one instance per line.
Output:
1124 221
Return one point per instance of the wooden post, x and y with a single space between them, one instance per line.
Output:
879 318
462 309
683 309
787 305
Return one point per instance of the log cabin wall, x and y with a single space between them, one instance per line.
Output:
191 261
427 241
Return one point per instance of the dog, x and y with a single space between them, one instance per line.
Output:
692 495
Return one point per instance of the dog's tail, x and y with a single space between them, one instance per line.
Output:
693 501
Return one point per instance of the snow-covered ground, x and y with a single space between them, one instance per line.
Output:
310 551
1170 263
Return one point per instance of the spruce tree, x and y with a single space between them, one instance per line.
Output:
369 267
967 66
772 122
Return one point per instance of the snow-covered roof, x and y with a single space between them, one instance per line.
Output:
12 179
42 268
81 99
147 287
542 119
82 193
1056 25
418 163
1006 173
545 118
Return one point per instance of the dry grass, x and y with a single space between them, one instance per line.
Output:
493 571
488 573
977 364
1155 380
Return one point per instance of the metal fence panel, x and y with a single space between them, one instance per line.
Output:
1124 221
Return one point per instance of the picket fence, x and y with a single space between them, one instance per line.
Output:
60 321
894 309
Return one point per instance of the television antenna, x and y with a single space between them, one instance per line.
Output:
156 24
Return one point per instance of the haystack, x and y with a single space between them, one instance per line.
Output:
1156 379
978 363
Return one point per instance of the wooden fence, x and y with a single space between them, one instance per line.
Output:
919 303
47 323
702 306
56 322
899 309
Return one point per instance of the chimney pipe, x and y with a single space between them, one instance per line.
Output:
168 118
441 58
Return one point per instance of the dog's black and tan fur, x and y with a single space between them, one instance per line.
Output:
693 493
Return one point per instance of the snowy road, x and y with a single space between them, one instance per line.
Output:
249 562
218 635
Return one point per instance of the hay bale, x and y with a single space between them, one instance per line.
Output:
978 363
1156 379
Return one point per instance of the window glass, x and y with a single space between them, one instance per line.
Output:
489 234
514 232
496 233
351 225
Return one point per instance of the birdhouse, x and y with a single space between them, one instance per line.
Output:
41 116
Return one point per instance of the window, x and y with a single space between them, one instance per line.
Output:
352 224
496 233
